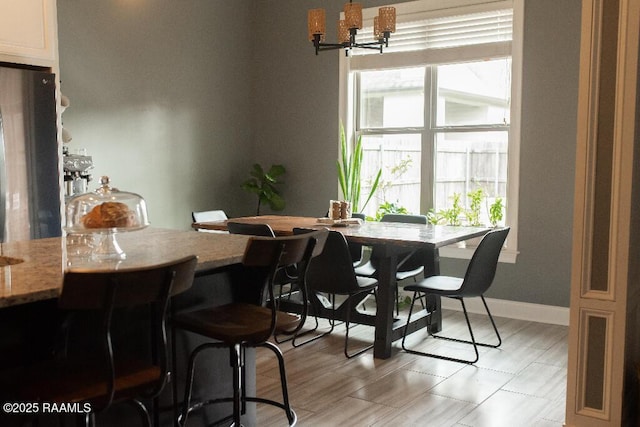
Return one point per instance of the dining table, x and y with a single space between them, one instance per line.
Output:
390 240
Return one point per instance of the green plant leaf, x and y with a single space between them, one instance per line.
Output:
257 172
349 170
275 171
374 187
276 202
495 212
345 159
341 179
263 184
251 185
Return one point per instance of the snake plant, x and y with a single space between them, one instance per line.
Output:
349 171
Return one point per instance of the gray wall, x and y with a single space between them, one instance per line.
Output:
160 93
177 102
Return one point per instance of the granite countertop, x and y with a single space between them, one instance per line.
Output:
44 261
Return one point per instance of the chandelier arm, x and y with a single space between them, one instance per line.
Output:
368 45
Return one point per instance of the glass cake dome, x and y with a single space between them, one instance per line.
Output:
106 211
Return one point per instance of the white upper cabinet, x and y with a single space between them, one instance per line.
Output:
28 32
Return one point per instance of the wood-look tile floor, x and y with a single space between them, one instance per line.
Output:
521 383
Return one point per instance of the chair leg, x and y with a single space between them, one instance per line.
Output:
88 419
285 405
239 398
174 373
301 332
472 342
182 419
332 322
237 364
346 335
396 292
493 323
142 409
188 389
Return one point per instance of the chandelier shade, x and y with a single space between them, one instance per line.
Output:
383 25
387 19
316 23
353 15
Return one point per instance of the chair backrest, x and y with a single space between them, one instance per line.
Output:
415 260
406 218
483 264
88 290
250 229
106 291
204 216
331 271
273 253
355 249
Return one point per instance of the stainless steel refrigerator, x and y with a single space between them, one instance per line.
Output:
29 184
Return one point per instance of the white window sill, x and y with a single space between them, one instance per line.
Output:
506 256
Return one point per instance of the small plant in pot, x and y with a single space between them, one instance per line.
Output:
473 214
265 185
390 208
453 214
496 212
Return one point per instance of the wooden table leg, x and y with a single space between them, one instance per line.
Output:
385 304
432 268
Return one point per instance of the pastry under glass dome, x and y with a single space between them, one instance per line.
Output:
104 213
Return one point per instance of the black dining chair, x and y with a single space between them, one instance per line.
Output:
410 264
238 326
356 249
477 280
264 230
331 273
110 369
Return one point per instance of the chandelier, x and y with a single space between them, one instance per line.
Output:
383 25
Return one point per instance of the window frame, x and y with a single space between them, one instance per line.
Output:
421 9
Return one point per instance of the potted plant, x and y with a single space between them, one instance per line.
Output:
264 185
452 215
473 214
496 212
349 169
389 208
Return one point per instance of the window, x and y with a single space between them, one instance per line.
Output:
438 111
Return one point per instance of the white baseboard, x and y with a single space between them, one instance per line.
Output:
514 310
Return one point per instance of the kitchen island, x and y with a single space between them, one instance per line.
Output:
37 266
30 285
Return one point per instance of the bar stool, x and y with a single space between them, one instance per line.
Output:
286 276
241 325
111 371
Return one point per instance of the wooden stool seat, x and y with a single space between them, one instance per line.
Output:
236 322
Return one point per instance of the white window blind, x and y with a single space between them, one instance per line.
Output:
485 27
